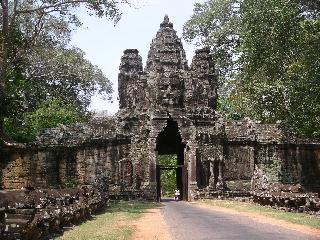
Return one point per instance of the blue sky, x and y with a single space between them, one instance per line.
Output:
104 43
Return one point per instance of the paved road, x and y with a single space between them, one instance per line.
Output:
189 222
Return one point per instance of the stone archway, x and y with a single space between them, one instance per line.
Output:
169 142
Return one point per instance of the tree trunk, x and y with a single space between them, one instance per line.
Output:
2 100
3 62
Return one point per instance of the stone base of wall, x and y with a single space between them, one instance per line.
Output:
214 194
131 195
42 213
239 185
288 197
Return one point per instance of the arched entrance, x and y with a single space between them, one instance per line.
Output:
169 142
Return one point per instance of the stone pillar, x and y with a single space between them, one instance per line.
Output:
150 181
192 166
212 183
152 168
130 69
117 166
221 185
192 171
220 170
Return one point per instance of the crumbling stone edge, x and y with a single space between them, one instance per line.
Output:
284 197
39 214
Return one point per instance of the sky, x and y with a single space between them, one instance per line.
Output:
104 43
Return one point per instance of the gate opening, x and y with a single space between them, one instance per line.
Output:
170 145
168 175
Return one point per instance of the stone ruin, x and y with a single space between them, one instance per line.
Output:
40 214
169 107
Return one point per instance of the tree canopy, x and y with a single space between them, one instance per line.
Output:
37 64
277 54
216 24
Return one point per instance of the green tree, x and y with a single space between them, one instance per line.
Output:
280 43
34 37
168 177
303 75
269 30
216 24
48 115
277 77
64 72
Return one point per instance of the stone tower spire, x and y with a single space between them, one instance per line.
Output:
130 95
166 51
166 22
204 79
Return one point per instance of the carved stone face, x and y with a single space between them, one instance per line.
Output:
170 93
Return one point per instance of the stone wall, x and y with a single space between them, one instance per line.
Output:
239 147
81 154
28 168
62 163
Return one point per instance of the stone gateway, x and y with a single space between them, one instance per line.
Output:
166 107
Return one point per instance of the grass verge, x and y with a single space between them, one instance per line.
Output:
298 218
115 223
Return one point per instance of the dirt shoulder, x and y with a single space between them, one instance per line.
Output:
151 226
263 219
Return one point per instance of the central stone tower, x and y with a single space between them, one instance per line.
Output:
163 105
167 84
